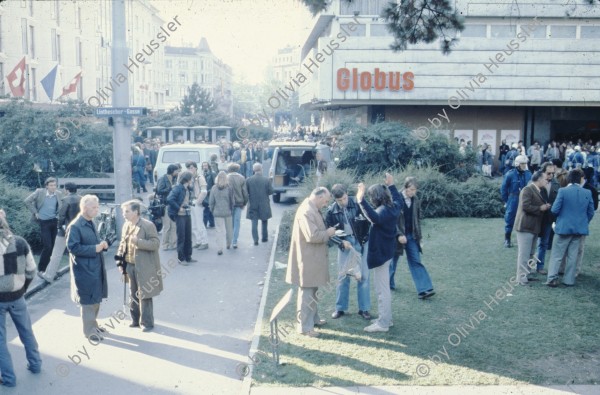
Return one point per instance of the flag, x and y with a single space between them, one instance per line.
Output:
18 90
48 83
72 87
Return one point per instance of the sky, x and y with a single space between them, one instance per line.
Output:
245 34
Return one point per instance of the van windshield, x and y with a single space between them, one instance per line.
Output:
181 156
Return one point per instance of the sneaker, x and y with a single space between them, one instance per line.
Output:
34 370
320 323
234 245
203 247
425 295
183 263
196 245
375 328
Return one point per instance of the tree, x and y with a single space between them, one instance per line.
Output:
414 21
196 101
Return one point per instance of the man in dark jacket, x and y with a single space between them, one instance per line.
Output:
409 240
209 176
88 273
17 272
259 207
163 188
548 193
343 214
179 211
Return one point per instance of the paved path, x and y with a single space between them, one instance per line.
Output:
205 320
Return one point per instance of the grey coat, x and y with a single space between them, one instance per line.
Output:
88 273
220 201
259 188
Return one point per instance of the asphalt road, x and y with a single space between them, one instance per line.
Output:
204 321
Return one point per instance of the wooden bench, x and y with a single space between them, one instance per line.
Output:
95 186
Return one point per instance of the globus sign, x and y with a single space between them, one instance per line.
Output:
365 81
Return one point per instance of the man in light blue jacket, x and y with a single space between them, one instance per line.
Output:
574 209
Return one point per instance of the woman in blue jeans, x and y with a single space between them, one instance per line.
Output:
409 240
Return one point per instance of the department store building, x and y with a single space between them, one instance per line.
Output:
526 70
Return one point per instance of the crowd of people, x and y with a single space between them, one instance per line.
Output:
379 229
549 210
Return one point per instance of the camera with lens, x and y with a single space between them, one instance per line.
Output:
120 259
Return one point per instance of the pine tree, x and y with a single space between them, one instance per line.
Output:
197 101
414 21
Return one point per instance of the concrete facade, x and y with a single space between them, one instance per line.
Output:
187 65
530 67
77 37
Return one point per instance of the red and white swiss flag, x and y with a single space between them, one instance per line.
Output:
72 87
17 75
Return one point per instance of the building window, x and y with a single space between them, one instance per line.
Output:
24 36
78 50
558 31
58 48
30 7
57 12
539 32
183 78
168 64
474 31
78 17
356 31
503 31
33 84
586 32
362 7
183 64
378 30
32 41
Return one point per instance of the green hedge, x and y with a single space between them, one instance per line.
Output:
17 215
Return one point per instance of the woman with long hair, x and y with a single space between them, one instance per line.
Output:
221 206
383 214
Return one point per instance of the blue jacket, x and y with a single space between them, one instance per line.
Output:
88 273
514 181
574 209
175 200
383 233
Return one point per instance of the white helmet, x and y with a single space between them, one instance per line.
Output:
521 159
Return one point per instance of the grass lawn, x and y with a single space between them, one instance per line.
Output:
477 329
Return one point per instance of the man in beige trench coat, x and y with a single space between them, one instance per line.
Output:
308 266
139 249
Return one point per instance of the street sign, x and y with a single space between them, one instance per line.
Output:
120 111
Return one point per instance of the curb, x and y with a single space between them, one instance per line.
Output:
44 284
247 382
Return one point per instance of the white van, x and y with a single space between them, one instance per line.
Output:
291 163
181 153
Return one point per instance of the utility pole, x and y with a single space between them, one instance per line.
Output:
121 125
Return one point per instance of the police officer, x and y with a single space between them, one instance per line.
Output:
514 181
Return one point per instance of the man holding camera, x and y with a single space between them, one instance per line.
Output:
179 200
343 214
138 257
88 273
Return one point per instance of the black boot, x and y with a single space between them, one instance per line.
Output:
507 242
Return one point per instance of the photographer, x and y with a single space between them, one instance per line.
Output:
179 211
138 257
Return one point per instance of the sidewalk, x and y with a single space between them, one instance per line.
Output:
204 320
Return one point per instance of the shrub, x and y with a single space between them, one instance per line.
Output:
284 238
392 145
17 215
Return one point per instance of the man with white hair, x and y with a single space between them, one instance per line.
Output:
88 273
514 181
